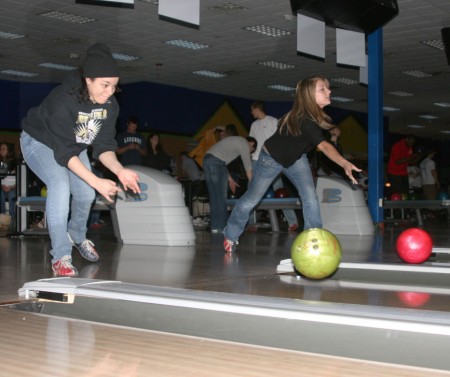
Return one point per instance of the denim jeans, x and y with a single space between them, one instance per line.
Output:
66 192
9 197
216 177
266 170
289 214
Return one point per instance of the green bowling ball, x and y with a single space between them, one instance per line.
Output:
316 253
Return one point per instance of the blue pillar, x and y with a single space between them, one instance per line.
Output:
375 126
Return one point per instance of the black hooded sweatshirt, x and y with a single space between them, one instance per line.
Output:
68 125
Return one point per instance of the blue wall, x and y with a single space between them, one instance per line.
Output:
160 108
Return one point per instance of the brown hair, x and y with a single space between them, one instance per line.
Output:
305 106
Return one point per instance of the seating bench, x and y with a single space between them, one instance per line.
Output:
272 205
417 205
37 204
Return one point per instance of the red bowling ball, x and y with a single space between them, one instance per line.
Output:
396 196
281 193
414 245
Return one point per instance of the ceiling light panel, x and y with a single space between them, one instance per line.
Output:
428 117
67 17
418 74
277 65
390 109
342 99
61 67
399 93
187 44
13 72
210 74
227 7
124 57
345 80
6 35
267 30
283 88
442 104
435 43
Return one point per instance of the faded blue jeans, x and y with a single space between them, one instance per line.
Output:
264 173
216 178
289 214
66 192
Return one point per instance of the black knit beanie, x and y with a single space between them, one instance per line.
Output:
100 62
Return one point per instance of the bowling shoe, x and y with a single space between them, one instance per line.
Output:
229 246
293 228
64 267
87 250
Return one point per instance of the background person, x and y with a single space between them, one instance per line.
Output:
156 157
430 181
131 144
261 129
8 193
79 113
401 155
218 178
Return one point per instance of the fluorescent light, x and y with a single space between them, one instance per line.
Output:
6 35
277 65
211 74
442 104
390 109
228 7
415 126
428 117
267 30
418 74
124 57
58 66
445 132
399 93
283 88
345 80
342 99
13 72
435 43
187 44
66 17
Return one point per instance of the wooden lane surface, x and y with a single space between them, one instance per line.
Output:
34 345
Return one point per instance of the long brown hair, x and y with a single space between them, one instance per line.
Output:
305 106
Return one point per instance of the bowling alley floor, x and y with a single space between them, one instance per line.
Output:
252 270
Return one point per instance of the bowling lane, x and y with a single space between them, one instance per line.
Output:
368 333
92 349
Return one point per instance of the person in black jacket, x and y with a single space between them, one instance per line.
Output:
80 112
156 157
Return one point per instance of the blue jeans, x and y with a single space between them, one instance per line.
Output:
266 170
9 196
216 178
289 214
66 192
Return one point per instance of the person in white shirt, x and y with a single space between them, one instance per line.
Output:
261 129
430 182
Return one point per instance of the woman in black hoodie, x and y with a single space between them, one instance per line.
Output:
79 113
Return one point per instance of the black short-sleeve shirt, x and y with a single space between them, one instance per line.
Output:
285 148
